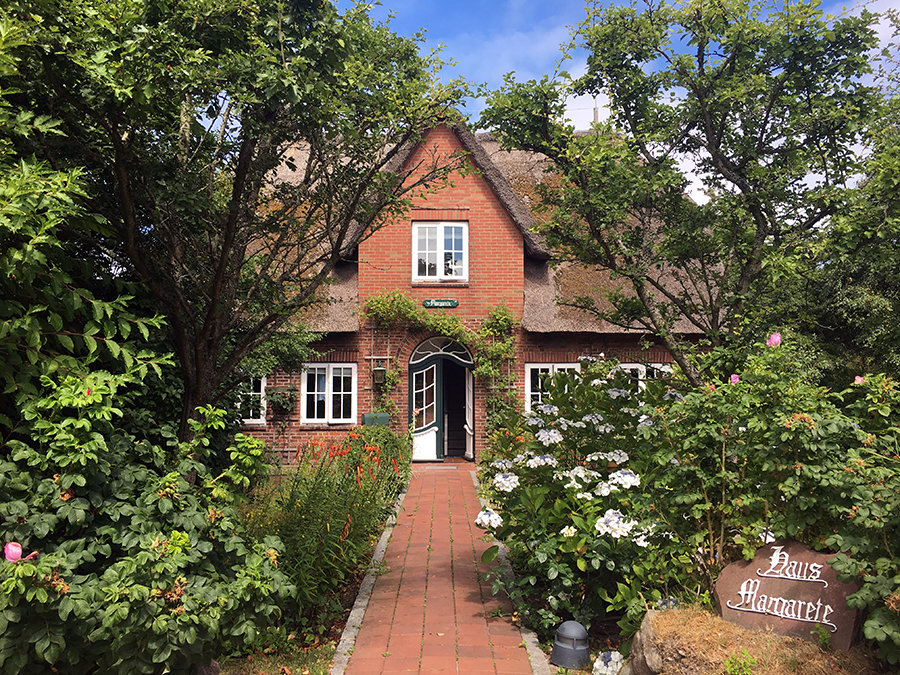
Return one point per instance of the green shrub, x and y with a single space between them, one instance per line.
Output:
763 454
563 478
128 566
328 506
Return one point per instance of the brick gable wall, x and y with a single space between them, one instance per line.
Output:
495 275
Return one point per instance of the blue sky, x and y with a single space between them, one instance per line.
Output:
488 38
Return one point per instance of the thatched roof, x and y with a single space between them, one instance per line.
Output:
535 246
548 287
512 175
337 312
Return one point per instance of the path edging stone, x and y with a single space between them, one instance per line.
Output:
354 621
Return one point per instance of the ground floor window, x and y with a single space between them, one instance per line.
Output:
328 393
252 402
641 372
535 374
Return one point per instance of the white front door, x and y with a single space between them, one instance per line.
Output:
426 432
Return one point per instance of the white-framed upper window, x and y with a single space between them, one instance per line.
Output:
440 251
252 402
328 393
535 373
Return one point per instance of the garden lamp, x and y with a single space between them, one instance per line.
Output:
570 648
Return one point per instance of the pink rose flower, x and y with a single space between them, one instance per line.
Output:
734 379
774 340
859 379
12 551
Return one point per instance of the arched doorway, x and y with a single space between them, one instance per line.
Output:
442 400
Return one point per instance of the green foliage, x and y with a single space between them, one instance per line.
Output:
577 545
850 298
739 664
136 570
723 468
327 508
822 637
129 567
493 342
281 399
773 151
181 114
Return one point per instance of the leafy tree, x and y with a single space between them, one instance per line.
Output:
236 151
765 102
112 561
855 296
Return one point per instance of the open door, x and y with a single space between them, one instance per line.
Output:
426 423
441 400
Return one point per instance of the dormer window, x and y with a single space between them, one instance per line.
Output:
440 251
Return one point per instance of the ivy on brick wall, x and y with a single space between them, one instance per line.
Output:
491 341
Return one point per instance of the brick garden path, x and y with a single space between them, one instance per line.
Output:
428 611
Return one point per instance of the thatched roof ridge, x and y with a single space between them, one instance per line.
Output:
535 245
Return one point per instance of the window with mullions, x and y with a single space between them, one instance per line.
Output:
641 372
440 251
252 403
535 375
328 393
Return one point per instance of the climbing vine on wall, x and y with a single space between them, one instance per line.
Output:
492 343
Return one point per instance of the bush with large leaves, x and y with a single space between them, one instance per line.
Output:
127 565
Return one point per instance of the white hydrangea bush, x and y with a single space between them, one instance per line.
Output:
565 483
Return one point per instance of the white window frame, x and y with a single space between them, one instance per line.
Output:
640 369
440 251
328 416
261 395
547 368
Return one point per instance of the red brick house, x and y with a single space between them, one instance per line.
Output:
466 249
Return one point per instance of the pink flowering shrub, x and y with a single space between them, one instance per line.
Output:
774 456
131 568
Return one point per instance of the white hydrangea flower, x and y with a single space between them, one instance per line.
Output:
518 459
549 436
603 490
568 531
502 464
584 474
541 460
625 478
618 456
565 424
608 663
534 422
506 482
547 409
488 518
615 524
585 495
593 418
